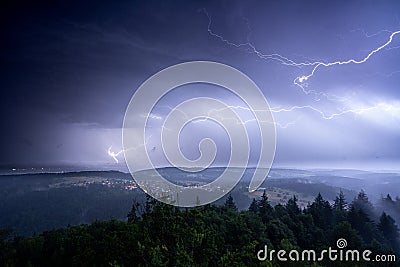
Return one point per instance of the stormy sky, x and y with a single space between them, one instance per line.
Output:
69 69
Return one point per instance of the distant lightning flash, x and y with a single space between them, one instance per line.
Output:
114 155
395 109
356 111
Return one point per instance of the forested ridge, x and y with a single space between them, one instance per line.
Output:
157 234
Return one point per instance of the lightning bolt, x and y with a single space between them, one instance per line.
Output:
114 155
357 111
251 48
301 81
366 34
349 61
286 61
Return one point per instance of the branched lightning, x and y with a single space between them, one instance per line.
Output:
349 61
368 35
240 122
250 47
356 111
301 81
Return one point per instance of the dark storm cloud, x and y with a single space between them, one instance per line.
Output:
69 69
81 62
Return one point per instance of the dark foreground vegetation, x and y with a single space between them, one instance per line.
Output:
157 234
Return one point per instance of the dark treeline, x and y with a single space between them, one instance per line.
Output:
157 234
390 206
29 211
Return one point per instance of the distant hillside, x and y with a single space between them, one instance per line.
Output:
32 203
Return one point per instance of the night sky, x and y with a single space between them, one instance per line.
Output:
68 71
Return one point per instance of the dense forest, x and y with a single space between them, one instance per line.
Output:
157 234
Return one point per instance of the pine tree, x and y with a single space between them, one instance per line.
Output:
362 222
340 202
292 207
321 211
132 216
340 208
362 203
389 198
390 230
265 209
230 204
254 206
